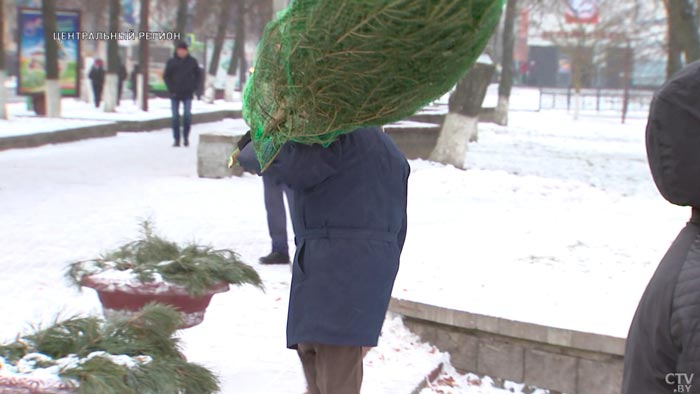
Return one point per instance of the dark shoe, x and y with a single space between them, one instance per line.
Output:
275 258
176 144
187 142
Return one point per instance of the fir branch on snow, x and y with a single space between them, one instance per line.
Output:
196 267
134 355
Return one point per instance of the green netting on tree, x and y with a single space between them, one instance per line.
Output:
327 67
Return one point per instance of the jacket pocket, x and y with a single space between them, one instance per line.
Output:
299 257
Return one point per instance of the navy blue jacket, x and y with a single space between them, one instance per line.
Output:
350 220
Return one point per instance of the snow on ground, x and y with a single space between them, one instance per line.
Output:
16 126
76 113
557 223
452 382
72 108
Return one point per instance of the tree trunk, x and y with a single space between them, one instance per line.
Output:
235 52
142 81
111 78
210 89
181 23
675 52
461 124
681 17
3 71
506 84
53 91
577 78
242 62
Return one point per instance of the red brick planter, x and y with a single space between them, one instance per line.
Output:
122 297
31 386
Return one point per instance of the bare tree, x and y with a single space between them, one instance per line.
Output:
53 87
113 61
683 37
181 19
237 64
224 8
142 79
506 83
674 61
461 123
203 18
620 22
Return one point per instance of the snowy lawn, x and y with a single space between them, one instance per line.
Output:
557 222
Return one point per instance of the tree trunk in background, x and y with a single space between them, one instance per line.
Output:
210 88
235 52
506 84
109 92
675 52
142 80
577 65
3 70
53 89
681 18
181 22
242 61
461 124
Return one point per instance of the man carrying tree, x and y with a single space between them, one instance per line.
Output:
349 216
182 75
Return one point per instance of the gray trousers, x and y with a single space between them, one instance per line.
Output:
276 213
331 369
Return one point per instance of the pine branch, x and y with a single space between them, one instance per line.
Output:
146 336
196 267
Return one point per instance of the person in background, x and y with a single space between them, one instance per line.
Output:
349 215
182 77
276 219
122 77
662 353
134 81
97 79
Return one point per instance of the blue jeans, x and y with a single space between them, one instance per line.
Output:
186 117
276 214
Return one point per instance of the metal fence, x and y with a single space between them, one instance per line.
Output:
598 100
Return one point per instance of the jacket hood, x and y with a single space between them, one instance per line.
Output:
673 138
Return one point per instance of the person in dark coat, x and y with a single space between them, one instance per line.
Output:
349 217
663 346
274 192
134 81
122 77
181 76
97 79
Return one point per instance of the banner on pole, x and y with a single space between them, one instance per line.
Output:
32 55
